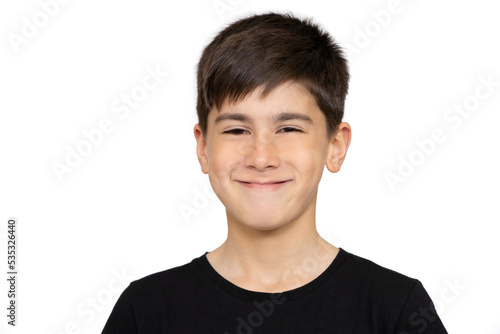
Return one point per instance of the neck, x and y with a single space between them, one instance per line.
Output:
273 260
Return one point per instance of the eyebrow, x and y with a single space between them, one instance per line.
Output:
275 118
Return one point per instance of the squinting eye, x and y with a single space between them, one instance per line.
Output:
292 129
234 131
239 131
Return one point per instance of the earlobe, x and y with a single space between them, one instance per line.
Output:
201 148
338 146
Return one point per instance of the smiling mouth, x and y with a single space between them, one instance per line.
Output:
265 186
262 184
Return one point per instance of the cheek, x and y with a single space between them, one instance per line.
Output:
309 156
220 164
309 164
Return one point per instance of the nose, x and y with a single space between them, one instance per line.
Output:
262 154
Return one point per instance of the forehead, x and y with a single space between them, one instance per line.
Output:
289 100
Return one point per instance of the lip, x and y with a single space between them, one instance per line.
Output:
265 186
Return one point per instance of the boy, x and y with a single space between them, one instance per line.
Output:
271 91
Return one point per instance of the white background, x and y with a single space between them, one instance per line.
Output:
118 213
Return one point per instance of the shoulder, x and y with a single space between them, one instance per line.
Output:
178 278
397 301
377 279
366 267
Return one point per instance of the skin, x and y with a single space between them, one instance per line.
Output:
272 243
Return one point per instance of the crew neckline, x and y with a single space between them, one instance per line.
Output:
250 295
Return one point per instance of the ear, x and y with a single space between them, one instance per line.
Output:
337 148
201 148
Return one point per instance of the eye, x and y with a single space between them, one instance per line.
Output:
239 131
291 129
234 131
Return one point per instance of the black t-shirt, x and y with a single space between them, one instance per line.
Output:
353 295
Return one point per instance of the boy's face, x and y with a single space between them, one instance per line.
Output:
246 154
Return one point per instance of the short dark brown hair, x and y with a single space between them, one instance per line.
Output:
268 50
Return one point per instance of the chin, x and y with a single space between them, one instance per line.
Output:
263 224
261 217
